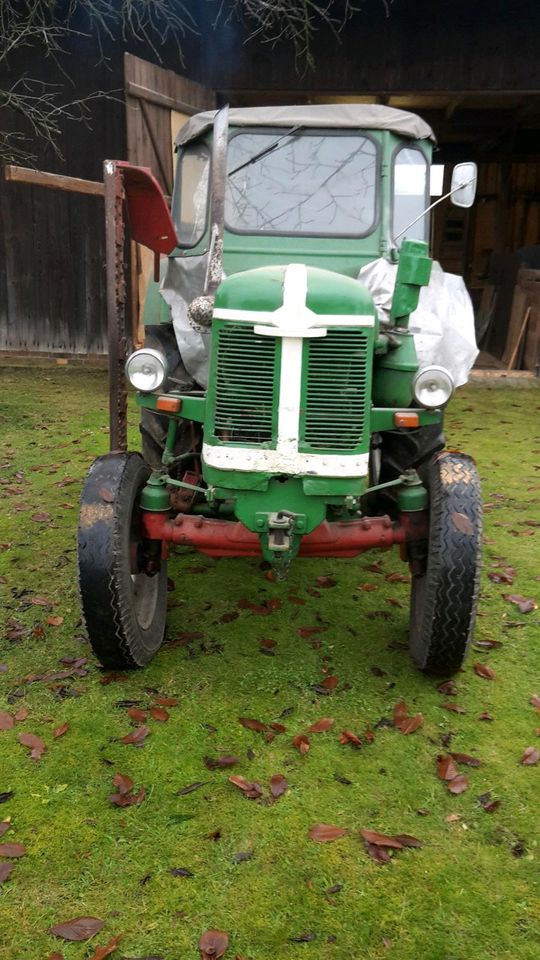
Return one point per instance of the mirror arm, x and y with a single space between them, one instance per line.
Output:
434 204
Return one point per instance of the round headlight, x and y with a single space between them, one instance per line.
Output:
433 387
146 369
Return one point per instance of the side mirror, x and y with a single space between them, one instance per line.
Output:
463 187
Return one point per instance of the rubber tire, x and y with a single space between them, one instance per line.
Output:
444 597
120 635
153 426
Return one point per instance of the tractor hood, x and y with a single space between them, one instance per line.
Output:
294 300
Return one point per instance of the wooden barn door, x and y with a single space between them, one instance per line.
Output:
158 103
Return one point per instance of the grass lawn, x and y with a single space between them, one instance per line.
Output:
470 893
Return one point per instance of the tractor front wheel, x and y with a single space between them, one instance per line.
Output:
122 578
446 572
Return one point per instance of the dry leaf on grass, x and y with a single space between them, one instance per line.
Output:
326 832
101 952
213 944
530 756
322 725
485 671
81 928
278 785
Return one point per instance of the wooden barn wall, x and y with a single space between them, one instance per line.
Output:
52 295
482 45
52 292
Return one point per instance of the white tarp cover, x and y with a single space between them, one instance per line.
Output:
183 281
442 324
367 116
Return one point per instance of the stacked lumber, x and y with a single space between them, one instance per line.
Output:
522 349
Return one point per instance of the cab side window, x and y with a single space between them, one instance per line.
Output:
410 195
190 199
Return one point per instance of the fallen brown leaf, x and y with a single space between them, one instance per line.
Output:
347 736
124 783
6 721
81 928
5 870
411 724
485 671
250 724
462 523
158 713
381 839
139 716
454 707
35 743
524 604
278 785
459 784
322 725
224 761
446 768
301 742
61 730
326 832
401 711
325 581
378 854
448 688
530 756
136 736
12 850
251 790
467 760
213 944
101 952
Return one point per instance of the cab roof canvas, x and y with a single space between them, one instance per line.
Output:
363 116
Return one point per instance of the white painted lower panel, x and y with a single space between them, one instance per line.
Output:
293 463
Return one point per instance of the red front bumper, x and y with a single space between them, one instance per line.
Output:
229 538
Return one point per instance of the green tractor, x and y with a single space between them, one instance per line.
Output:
284 409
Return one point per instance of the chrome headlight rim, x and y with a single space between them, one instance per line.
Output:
157 364
434 371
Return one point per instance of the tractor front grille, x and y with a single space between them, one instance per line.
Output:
337 391
246 373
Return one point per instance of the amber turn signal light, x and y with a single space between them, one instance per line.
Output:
168 404
406 419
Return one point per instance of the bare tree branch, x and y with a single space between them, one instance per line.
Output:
47 26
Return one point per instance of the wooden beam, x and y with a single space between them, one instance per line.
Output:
54 181
160 99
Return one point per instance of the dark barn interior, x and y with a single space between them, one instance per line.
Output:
470 70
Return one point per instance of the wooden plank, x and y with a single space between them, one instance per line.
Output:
55 181
159 99
515 349
519 306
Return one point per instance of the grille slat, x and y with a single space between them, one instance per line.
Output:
336 393
245 374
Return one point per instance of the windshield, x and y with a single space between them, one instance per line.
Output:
311 184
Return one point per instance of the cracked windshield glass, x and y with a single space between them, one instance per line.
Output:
309 183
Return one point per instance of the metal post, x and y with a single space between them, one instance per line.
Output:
116 304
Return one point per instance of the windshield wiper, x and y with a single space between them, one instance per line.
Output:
266 150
